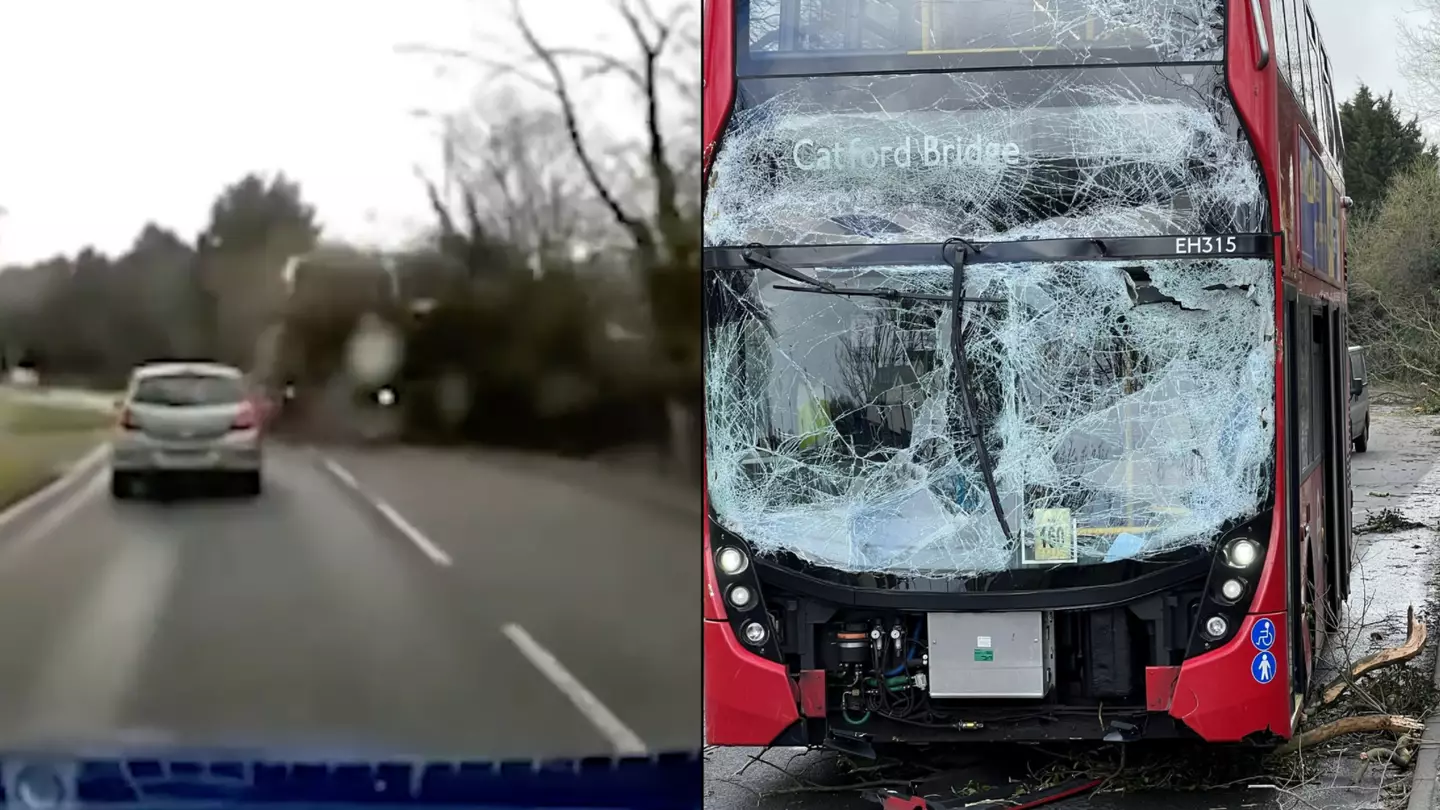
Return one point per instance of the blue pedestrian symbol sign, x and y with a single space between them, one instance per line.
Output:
1262 634
1262 669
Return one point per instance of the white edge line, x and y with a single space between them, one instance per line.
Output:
84 467
414 535
341 473
427 546
52 519
626 742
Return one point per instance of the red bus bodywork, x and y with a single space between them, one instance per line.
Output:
753 701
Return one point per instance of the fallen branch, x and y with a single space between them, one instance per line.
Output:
1367 724
1414 643
1400 756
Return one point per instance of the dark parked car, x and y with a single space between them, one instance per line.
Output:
1359 399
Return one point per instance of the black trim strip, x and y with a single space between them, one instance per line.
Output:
1128 248
1084 597
810 66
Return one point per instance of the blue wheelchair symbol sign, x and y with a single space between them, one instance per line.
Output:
1262 669
1262 634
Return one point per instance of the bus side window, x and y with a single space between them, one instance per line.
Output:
1295 69
1282 42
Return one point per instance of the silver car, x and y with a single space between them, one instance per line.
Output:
1359 399
187 419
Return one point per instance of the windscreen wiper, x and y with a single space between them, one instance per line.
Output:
957 251
758 256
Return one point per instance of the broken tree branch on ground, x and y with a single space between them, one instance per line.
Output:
1414 643
1365 724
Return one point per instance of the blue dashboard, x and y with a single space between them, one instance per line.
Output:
669 781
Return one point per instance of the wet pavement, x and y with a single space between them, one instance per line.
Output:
1400 471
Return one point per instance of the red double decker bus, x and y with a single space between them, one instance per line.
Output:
1026 369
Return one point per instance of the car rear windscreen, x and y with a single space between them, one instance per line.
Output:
189 389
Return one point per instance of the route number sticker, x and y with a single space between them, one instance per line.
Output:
1262 634
1262 669
1052 538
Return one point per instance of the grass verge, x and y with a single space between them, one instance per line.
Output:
38 442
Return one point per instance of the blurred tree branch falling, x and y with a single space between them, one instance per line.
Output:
655 208
560 284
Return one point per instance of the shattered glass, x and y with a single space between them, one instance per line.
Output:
1054 153
1133 398
1152 30
835 427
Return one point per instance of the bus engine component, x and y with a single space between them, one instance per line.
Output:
991 655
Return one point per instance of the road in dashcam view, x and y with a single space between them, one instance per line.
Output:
341 408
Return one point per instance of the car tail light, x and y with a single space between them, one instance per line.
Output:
127 420
245 420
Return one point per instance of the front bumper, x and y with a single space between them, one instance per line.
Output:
748 700
237 452
752 701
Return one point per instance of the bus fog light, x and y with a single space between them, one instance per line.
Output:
1242 553
741 597
755 633
731 560
1232 589
1215 627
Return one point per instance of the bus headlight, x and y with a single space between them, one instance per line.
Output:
741 597
1242 553
1232 590
731 560
1216 627
755 633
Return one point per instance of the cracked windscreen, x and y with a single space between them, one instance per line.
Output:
1126 406
785 34
1133 400
1053 153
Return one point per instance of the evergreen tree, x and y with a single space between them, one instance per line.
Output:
1378 147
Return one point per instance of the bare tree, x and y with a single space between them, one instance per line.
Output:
515 157
1420 67
660 73
1395 280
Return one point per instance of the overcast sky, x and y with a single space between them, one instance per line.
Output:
1361 38
135 110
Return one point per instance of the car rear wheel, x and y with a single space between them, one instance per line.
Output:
251 484
1363 440
122 485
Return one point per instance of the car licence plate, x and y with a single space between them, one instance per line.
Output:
186 458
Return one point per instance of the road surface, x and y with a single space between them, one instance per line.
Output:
409 602
1400 471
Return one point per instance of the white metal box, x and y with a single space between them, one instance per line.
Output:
991 655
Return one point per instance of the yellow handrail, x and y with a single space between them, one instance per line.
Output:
1114 530
927 20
